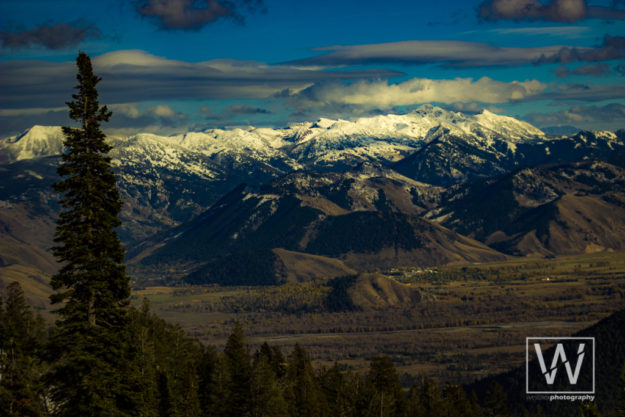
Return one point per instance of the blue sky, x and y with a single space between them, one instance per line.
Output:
174 65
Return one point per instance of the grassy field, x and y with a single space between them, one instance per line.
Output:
472 320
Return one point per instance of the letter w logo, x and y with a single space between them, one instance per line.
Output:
560 356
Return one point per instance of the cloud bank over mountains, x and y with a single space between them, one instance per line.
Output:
369 95
191 64
135 76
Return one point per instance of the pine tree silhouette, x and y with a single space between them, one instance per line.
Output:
90 352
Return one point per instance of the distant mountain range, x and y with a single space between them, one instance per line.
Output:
326 198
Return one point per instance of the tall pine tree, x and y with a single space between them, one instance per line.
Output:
302 393
91 353
388 398
21 336
239 369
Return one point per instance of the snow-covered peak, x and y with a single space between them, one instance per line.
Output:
251 141
324 123
430 111
143 141
416 126
36 142
508 127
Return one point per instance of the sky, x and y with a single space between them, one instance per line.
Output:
171 66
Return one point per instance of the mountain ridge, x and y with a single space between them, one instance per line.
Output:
412 129
329 178
365 219
546 211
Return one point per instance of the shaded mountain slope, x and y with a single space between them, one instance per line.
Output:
27 223
367 219
566 209
571 224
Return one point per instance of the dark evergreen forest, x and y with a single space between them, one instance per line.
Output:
175 375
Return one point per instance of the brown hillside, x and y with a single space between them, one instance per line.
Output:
302 267
574 224
377 291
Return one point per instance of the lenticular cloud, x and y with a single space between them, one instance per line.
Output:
382 95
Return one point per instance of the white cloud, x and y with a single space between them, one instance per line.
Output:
127 109
163 110
132 57
381 95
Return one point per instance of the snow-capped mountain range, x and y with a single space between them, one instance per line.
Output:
167 180
323 142
379 172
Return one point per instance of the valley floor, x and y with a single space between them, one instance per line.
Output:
471 321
